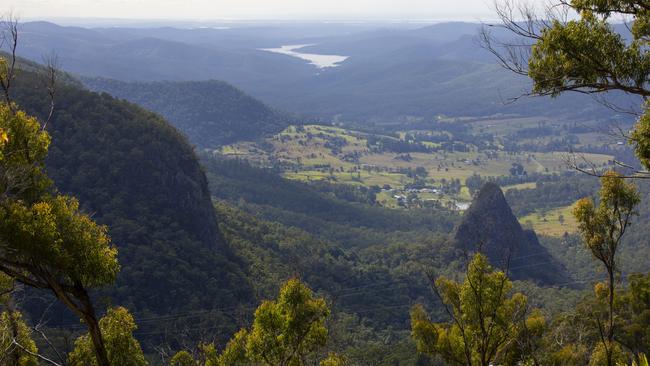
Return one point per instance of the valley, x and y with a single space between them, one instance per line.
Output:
407 169
370 178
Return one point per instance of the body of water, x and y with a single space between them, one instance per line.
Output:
320 61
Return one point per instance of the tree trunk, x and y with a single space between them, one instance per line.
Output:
98 341
93 328
86 312
610 330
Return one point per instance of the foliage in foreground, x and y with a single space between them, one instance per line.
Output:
488 324
488 327
17 348
287 331
602 228
46 241
588 55
122 348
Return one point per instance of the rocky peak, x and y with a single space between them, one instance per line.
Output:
490 226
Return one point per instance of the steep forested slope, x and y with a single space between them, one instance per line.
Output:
139 176
210 113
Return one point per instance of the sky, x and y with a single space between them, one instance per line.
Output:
252 9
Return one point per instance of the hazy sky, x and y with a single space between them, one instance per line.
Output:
252 9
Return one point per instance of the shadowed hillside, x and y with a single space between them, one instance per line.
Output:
139 176
210 113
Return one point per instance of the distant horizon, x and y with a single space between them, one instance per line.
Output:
74 21
253 10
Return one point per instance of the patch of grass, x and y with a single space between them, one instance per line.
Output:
550 222
520 186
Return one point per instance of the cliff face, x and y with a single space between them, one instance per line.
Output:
490 226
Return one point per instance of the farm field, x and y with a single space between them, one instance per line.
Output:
434 176
544 130
528 185
555 222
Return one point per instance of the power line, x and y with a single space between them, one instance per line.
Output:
345 292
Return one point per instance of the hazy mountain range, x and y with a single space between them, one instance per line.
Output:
392 72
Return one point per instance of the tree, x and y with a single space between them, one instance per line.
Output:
334 360
602 228
235 352
17 348
285 332
122 349
588 55
16 344
583 54
45 240
182 358
517 170
485 320
634 315
474 183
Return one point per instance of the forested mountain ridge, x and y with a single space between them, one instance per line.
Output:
211 113
365 259
139 176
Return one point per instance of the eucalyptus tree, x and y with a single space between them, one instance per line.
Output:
46 241
572 45
122 348
285 332
602 228
486 321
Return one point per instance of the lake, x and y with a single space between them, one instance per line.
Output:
320 61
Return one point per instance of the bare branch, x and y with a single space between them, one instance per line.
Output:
583 165
631 110
39 356
9 37
49 344
37 329
51 74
